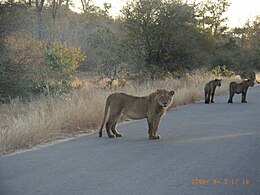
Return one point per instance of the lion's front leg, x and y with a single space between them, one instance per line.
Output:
156 125
153 123
244 97
207 98
230 100
150 126
212 97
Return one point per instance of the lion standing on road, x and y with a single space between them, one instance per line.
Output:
151 107
238 88
209 90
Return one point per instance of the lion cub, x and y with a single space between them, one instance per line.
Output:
210 88
151 107
237 88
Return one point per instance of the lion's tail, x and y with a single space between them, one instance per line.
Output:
105 115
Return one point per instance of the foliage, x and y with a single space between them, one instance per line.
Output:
151 39
27 68
20 62
249 42
210 16
106 49
61 63
222 71
240 48
161 33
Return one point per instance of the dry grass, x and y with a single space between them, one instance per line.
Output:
26 125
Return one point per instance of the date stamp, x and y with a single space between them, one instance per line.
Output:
222 181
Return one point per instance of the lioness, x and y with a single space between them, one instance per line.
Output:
250 75
210 88
151 107
239 88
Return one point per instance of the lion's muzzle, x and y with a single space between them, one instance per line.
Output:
165 104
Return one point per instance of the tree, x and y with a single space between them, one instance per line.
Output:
29 67
210 16
106 52
163 34
55 6
39 6
248 40
88 6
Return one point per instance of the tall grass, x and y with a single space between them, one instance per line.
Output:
26 125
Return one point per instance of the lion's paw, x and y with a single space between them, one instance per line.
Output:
154 137
119 135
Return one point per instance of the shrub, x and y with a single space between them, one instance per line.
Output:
62 61
28 67
20 65
222 71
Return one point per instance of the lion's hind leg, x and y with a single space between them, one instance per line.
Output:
111 125
114 131
230 100
207 97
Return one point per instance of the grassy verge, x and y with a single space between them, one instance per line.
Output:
47 119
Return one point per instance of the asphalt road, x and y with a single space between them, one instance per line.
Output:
217 144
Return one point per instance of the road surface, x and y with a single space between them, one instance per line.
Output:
204 149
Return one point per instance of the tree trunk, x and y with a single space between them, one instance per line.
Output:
39 6
40 25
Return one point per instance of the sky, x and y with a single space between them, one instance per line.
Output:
238 13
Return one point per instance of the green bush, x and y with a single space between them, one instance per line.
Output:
28 67
61 62
16 74
222 71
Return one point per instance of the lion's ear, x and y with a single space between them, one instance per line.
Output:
171 93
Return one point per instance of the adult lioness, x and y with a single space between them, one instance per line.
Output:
250 75
239 88
151 107
209 90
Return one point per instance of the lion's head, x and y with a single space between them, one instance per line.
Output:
164 97
218 82
250 82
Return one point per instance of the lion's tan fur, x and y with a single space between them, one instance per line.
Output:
238 88
151 107
209 90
